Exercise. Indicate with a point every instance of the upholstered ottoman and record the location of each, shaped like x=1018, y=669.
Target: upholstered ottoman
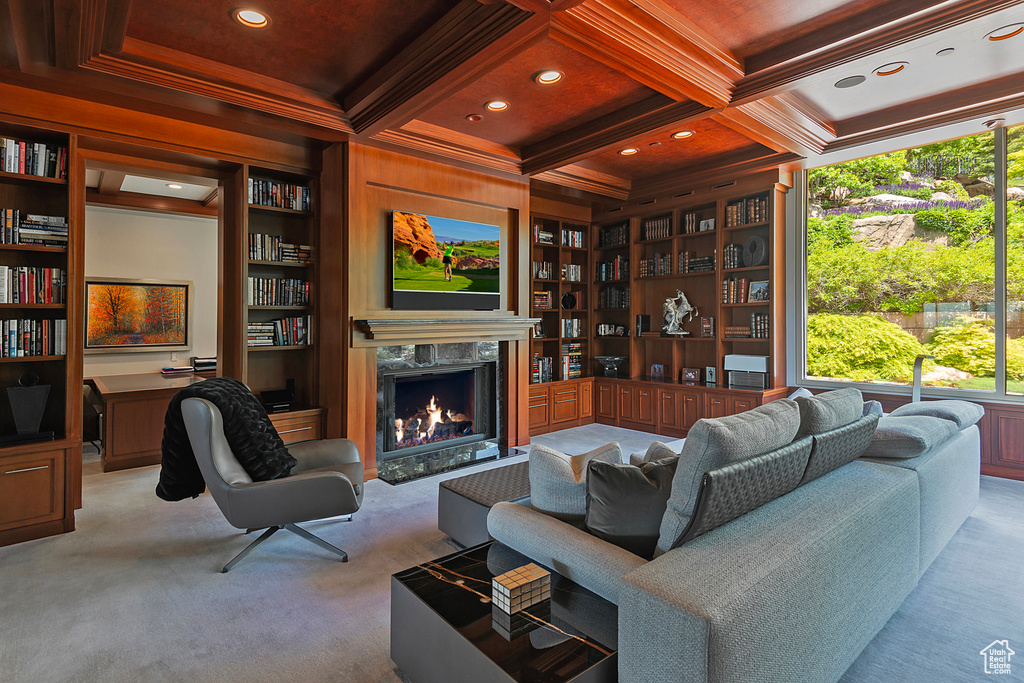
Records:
x=463, y=503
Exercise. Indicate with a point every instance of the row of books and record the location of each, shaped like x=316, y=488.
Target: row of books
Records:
x=744, y=211
x=659, y=264
x=611, y=330
x=281, y=195
x=572, y=327
x=266, y=291
x=734, y=290
x=657, y=228
x=542, y=236
x=613, y=297
x=732, y=255
x=32, y=285
x=273, y=248
x=758, y=328
x=33, y=228
x=614, y=235
x=689, y=262
x=23, y=338
x=572, y=272
x=540, y=369
x=572, y=238
x=543, y=270
x=614, y=269
x=208, y=364
x=543, y=300
x=177, y=370
x=33, y=158
x=294, y=331
x=572, y=360
x=693, y=222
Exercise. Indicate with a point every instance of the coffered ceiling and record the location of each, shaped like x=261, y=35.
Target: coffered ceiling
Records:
x=754, y=80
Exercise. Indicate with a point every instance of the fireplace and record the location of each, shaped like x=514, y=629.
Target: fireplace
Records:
x=433, y=408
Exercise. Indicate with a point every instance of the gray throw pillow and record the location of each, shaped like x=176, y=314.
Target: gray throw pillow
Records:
x=830, y=410
x=872, y=408
x=722, y=441
x=801, y=393
x=625, y=503
x=656, y=451
x=908, y=437
x=963, y=413
x=558, y=482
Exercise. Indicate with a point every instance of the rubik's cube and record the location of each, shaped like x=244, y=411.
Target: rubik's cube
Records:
x=518, y=589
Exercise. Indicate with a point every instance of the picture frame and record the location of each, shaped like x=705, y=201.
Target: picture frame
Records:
x=758, y=291
x=657, y=371
x=707, y=224
x=620, y=330
x=710, y=374
x=136, y=315
x=538, y=329
x=689, y=375
x=707, y=326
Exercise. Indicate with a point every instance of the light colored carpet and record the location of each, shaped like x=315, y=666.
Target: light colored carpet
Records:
x=135, y=594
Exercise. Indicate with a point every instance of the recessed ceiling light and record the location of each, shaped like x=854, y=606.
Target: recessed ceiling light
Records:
x=891, y=68
x=946, y=51
x=628, y=151
x=682, y=134
x=850, y=81
x=1005, y=32
x=174, y=186
x=548, y=77
x=654, y=144
x=473, y=117
x=251, y=18
x=497, y=105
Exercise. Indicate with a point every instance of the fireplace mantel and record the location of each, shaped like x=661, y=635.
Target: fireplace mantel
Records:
x=393, y=331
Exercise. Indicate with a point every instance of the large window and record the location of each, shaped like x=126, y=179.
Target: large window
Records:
x=907, y=255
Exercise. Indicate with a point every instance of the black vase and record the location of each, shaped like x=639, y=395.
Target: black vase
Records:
x=27, y=405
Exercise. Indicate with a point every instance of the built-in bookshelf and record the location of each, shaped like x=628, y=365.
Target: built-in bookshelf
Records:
x=40, y=332
x=560, y=297
x=281, y=292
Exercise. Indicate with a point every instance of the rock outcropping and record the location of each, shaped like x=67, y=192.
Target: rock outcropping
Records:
x=894, y=230
x=413, y=231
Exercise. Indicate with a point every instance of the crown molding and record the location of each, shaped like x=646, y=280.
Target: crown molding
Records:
x=724, y=167
x=427, y=137
x=780, y=123
x=587, y=180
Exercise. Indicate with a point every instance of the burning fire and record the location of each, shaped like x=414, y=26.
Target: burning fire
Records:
x=432, y=423
x=399, y=434
x=434, y=411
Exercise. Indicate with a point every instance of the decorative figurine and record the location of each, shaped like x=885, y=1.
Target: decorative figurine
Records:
x=677, y=310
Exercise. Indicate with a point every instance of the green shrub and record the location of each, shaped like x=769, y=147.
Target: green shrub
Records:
x=829, y=232
x=969, y=345
x=860, y=348
x=932, y=219
x=858, y=177
x=952, y=188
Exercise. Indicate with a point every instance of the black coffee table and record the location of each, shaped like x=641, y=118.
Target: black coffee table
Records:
x=443, y=629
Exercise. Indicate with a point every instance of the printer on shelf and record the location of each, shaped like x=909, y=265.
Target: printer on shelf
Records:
x=746, y=372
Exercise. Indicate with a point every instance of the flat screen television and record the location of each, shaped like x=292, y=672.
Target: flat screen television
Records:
x=444, y=263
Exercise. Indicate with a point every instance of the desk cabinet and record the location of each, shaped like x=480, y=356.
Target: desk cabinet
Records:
x=560, y=405
x=299, y=425
x=31, y=489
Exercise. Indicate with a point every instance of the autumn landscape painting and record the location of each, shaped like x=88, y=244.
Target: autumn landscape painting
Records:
x=127, y=315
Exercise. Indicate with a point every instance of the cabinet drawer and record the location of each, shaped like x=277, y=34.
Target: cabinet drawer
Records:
x=717, y=406
x=31, y=489
x=564, y=408
x=294, y=429
x=743, y=404
x=586, y=399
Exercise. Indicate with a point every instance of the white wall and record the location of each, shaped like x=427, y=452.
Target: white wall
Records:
x=153, y=246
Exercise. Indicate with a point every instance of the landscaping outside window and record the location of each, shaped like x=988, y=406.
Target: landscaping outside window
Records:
x=901, y=261
x=1015, y=260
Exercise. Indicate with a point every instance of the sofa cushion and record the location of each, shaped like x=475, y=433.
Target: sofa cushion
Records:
x=558, y=482
x=963, y=413
x=625, y=503
x=801, y=392
x=721, y=441
x=909, y=436
x=872, y=408
x=656, y=451
x=830, y=410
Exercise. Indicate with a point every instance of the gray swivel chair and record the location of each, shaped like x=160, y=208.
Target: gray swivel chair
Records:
x=326, y=482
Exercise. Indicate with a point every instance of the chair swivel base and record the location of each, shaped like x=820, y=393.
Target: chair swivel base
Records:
x=297, y=530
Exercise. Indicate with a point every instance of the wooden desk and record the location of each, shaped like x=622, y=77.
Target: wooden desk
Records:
x=133, y=416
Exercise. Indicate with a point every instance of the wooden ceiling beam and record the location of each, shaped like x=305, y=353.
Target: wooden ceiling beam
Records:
x=110, y=182
x=653, y=44
x=629, y=122
x=32, y=27
x=781, y=122
x=448, y=143
x=586, y=180
x=151, y=202
x=724, y=167
x=773, y=80
x=469, y=41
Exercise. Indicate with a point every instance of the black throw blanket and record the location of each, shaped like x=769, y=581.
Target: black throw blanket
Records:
x=249, y=432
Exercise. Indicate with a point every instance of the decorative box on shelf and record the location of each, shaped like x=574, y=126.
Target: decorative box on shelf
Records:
x=520, y=588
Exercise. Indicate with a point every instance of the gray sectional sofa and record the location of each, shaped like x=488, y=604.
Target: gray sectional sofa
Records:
x=790, y=591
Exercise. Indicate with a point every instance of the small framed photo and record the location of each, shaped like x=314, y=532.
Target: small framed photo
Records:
x=710, y=374
x=707, y=327
x=707, y=224
x=658, y=371
x=690, y=374
x=758, y=291
x=538, y=329
x=620, y=330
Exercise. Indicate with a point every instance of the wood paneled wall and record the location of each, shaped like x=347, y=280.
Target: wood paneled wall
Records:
x=362, y=185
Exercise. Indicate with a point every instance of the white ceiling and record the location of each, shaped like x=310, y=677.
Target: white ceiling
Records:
x=975, y=60
x=156, y=186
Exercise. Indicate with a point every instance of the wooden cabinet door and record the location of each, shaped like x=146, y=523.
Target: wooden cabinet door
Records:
x=625, y=399
x=539, y=407
x=564, y=405
x=644, y=405
x=1007, y=435
x=669, y=408
x=605, y=400
x=690, y=405
x=716, y=405
x=586, y=399
x=739, y=404
x=31, y=489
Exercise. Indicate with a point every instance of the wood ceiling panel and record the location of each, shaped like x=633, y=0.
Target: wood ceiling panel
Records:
x=749, y=27
x=710, y=140
x=322, y=45
x=588, y=90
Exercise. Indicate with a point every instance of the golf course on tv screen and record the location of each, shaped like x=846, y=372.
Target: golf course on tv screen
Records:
x=445, y=256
